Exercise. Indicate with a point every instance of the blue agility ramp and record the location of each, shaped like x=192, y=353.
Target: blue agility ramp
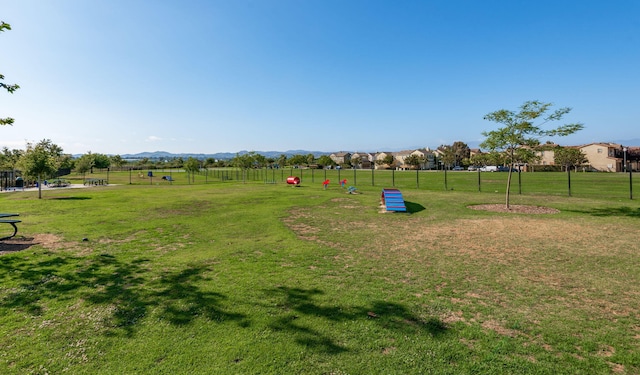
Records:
x=393, y=201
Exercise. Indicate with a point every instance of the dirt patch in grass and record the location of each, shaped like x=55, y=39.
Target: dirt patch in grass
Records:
x=49, y=241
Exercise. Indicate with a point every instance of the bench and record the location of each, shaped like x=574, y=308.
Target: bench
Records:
x=11, y=222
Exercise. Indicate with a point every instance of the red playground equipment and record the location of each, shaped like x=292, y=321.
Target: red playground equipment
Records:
x=295, y=181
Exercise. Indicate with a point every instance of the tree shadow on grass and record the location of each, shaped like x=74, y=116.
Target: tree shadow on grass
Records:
x=122, y=288
x=68, y=198
x=182, y=299
x=298, y=305
x=611, y=211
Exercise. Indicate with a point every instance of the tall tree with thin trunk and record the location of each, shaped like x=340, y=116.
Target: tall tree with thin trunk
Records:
x=10, y=88
x=523, y=129
x=40, y=161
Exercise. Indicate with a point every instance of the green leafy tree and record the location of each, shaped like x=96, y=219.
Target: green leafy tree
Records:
x=414, y=160
x=10, y=88
x=209, y=162
x=40, y=161
x=388, y=160
x=259, y=160
x=310, y=159
x=355, y=162
x=520, y=130
x=447, y=155
x=84, y=164
x=325, y=161
x=117, y=161
x=282, y=161
x=101, y=161
x=9, y=158
x=461, y=151
x=271, y=162
x=569, y=157
x=298, y=159
x=192, y=166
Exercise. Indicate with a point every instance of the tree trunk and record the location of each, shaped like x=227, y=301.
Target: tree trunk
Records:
x=508, y=188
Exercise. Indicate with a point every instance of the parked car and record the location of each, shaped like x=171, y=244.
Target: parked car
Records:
x=458, y=168
x=472, y=168
x=489, y=168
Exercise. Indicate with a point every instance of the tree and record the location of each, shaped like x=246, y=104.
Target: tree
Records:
x=448, y=155
x=118, y=161
x=192, y=166
x=259, y=160
x=10, y=88
x=244, y=161
x=519, y=131
x=325, y=161
x=84, y=164
x=209, y=162
x=387, y=160
x=101, y=161
x=569, y=157
x=9, y=158
x=310, y=159
x=282, y=161
x=414, y=161
x=40, y=160
x=461, y=151
x=356, y=161
x=298, y=159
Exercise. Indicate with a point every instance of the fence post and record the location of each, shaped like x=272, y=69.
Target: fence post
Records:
x=354, y=176
x=372, y=179
x=445, y=179
x=630, y=185
x=569, y=179
x=519, y=182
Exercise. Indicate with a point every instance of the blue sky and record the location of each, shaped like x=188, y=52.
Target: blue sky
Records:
x=126, y=76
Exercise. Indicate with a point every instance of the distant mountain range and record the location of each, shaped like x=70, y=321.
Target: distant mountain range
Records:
x=156, y=155
x=219, y=155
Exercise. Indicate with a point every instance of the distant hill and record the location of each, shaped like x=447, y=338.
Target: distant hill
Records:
x=220, y=155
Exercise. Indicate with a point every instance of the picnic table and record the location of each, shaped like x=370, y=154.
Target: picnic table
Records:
x=11, y=222
x=58, y=182
x=96, y=181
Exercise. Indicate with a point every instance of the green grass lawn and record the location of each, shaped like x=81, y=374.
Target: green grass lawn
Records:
x=225, y=277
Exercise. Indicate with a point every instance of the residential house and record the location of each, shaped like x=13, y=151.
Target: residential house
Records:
x=364, y=160
x=378, y=157
x=546, y=154
x=341, y=158
x=428, y=157
x=606, y=157
x=400, y=156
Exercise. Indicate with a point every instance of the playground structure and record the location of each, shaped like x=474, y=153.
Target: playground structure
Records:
x=392, y=200
x=294, y=181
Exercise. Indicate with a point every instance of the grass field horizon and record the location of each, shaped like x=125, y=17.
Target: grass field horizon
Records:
x=253, y=278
